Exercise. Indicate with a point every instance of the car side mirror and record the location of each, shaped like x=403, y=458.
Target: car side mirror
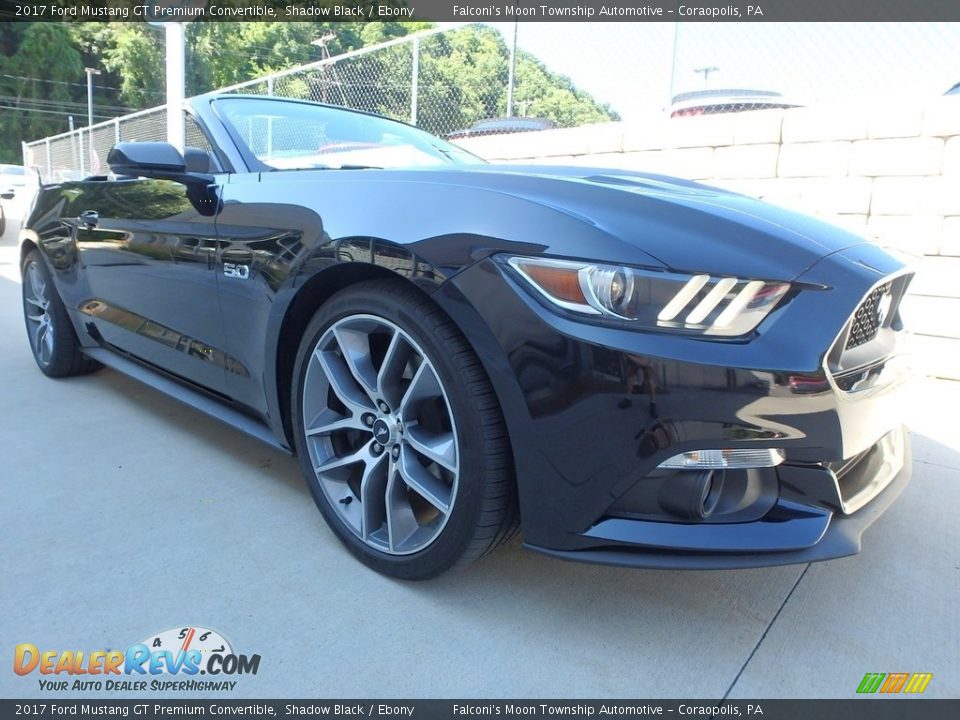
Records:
x=157, y=160
x=197, y=160
x=8, y=194
x=149, y=159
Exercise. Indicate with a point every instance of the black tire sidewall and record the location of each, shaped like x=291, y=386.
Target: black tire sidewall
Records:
x=34, y=257
x=456, y=535
x=66, y=358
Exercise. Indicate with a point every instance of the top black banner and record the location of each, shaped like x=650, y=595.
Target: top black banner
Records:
x=477, y=10
x=487, y=709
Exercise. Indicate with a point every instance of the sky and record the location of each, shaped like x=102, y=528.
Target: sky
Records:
x=630, y=65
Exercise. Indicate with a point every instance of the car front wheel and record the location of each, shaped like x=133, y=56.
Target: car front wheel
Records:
x=399, y=433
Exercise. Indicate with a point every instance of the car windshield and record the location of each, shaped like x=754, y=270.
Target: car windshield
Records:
x=295, y=136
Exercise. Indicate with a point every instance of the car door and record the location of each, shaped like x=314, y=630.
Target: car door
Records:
x=262, y=241
x=147, y=250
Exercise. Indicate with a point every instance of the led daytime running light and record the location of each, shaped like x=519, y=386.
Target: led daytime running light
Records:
x=724, y=459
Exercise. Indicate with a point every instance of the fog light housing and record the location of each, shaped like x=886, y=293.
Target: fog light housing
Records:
x=692, y=495
x=724, y=459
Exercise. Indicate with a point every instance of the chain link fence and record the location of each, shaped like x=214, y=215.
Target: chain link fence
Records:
x=74, y=155
x=449, y=80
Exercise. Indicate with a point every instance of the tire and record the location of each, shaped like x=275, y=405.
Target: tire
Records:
x=425, y=481
x=49, y=330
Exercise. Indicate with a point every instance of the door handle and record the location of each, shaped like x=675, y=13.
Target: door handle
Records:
x=90, y=218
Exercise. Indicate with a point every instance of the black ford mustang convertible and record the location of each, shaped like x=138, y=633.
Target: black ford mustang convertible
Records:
x=643, y=370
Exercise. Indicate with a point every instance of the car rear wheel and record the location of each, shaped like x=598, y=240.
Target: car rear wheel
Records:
x=399, y=434
x=52, y=338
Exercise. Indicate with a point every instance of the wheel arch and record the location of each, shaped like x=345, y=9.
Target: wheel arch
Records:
x=26, y=246
x=309, y=297
x=324, y=283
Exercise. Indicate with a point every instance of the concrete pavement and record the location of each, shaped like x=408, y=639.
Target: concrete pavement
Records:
x=125, y=513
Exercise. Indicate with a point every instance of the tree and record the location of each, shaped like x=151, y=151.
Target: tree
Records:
x=33, y=102
x=463, y=77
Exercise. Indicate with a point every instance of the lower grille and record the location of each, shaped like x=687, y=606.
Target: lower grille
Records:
x=867, y=319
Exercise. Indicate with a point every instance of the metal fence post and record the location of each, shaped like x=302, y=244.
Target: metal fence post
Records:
x=116, y=130
x=512, y=71
x=93, y=153
x=83, y=163
x=49, y=162
x=270, y=86
x=415, y=81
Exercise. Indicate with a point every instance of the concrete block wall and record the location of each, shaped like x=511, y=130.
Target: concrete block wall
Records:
x=890, y=173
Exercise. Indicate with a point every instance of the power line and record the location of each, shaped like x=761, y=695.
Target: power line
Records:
x=49, y=112
x=72, y=84
x=62, y=104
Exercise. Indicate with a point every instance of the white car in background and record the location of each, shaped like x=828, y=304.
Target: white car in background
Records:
x=18, y=186
x=19, y=176
x=5, y=194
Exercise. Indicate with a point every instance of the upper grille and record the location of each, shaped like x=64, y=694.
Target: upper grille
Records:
x=867, y=320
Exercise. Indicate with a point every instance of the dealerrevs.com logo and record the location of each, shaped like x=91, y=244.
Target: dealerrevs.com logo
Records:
x=169, y=660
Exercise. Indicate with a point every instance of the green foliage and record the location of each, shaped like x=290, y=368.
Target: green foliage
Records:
x=545, y=94
x=31, y=100
x=463, y=73
x=464, y=76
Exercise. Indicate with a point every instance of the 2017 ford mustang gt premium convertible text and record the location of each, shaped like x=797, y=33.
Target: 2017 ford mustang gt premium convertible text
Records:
x=643, y=370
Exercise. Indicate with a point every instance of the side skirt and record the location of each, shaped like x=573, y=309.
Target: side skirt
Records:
x=188, y=396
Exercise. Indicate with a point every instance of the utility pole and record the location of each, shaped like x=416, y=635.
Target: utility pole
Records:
x=706, y=73
x=513, y=70
x=321, y=42
x=90, y=73
x=175, y=83
x=673, y=62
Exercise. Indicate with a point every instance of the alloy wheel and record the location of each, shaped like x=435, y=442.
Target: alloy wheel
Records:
x=380, y=434
x=36, y=297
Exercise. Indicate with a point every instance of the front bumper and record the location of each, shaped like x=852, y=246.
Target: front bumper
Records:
x=592, y=411
x=840, y=536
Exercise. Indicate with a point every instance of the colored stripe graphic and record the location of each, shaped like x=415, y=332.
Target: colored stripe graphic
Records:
x=918, y=682
x=871, y=682
x=892, y=683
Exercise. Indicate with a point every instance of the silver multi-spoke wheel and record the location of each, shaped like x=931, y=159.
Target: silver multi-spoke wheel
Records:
x=380, y=434
x=398, y=432
x=36, y=295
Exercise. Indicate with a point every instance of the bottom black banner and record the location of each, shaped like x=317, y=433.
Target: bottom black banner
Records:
x=868, y=709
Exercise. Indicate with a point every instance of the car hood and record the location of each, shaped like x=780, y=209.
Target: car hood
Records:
x=684, y=225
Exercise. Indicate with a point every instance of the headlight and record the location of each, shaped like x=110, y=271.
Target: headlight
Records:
x=721, y=306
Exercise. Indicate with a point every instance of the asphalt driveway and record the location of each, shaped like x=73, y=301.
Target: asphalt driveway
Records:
x=125, y=513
